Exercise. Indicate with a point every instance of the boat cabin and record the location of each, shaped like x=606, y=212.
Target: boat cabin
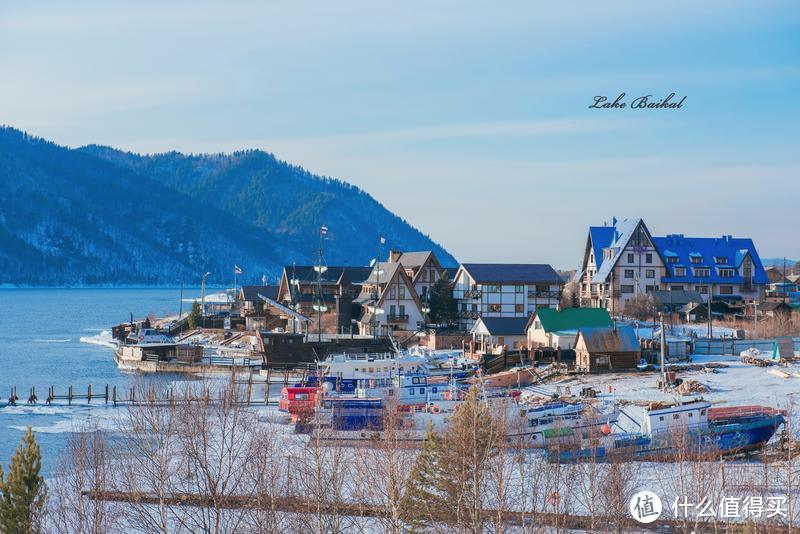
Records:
x=657, y=417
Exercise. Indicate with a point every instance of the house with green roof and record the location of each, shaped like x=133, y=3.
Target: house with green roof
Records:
x=558, y=329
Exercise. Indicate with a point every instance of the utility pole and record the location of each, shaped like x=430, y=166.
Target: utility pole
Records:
x=710, y=298
x=203, y=293
x=320, y=268
x=755, y=319
x=663, y=348
x=180, y=306
x=294, y=288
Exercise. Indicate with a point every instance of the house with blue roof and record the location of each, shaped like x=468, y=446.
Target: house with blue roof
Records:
x=620, y=261
x=623, y=259
x=504, y=290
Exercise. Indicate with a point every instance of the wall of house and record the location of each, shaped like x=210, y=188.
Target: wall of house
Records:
x=502, y=300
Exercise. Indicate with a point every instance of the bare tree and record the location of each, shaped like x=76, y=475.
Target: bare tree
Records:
x=84, y=467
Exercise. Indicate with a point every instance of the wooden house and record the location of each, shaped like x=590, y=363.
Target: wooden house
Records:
x=607, y=349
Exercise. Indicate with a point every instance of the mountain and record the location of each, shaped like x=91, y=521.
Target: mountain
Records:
x=99, y=216
x=778, y=262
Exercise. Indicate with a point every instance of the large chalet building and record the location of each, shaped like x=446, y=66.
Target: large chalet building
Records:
x=504, y=290
x=624, y=259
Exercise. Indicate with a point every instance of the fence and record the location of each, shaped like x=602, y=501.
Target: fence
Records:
x=735, y=346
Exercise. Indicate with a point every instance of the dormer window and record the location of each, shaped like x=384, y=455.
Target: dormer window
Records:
x=702, y=272
x=680, y=271
x=672, y=259
x=696, y=258
x=726, y=273
x=720, y=260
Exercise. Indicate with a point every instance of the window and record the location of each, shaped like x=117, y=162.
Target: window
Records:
x=494, y=308
x=519, y=289
x=648, y=258
x=401, y=292
x=392, y=310
x=661, y=418
x=675, y=416
x=703, y=290
x=726, y=273
x=649, y=289
x=702, y=272
x=630, y=257
x=680, y=271
x=519, y=308
x=415, y=380
x=691, y=414
x=402, y=309
x=392, y=293
x=422, y=391
x=726, y=290
x=628, y=273
x=720, y=260
x=650, y=273
x=672, y=259
x=626, y=289
x=676, y=288
x=696, y=258
x=493, y=289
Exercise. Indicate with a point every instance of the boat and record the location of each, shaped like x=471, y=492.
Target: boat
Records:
x=665, y=431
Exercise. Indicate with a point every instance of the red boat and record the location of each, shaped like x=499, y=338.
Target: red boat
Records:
x=298, y=402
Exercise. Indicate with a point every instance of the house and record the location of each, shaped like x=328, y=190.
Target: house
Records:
x=667, y=300
x=723, y=268
x=423, y=268
x=504, y=290
x=620, y=261
x=623, y=260
x=694, y=312
x=494, y=335
x=390, y=291
x=607, y=349
x=558, y=329
x=257, y=312
x=326, y=298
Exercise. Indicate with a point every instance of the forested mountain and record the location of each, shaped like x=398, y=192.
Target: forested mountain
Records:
x=95, y=215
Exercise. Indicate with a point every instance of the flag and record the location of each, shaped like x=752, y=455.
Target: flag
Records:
x=383, y=240
x=237, y=269
x=323, y=230
x=264, y=280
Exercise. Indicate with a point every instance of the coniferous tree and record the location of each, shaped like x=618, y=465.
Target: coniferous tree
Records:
x=22, y=492
x=442, y=303
x=195, y=316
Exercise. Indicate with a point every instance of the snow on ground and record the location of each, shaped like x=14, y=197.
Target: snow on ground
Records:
x=737, y=384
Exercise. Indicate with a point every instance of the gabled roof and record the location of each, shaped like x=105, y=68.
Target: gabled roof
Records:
x=387, y=272
x=503, y=326
x=332, y=275
x=508, y=273
x=677, y=297
x=620, y=234
x=412, y=260
x=733, y=249
x=609, y=340
x=250, y=293
x=571, y=318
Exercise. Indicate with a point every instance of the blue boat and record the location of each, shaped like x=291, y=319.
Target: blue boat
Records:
x=665, y=431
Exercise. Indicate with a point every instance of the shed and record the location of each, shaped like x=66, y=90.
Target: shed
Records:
x=492, y=334
x=607, y=349
x=558, y=328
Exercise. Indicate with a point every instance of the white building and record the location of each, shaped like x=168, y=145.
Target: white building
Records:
x=624, y=260
x=423, y=268
x=504, y=290
x=398, y=306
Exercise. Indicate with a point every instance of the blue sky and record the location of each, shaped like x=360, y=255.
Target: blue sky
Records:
x=470, y=120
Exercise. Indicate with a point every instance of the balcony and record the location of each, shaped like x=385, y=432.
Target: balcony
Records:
x=473, y=293
x=467, y=314
x=397, y=318
x=543, y=294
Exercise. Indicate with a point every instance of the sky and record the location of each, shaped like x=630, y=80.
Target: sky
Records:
x=471, y=120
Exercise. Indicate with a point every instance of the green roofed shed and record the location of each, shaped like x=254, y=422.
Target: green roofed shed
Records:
x=571, y=319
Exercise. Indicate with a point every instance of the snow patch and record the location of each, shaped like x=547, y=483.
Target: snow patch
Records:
x=102, y=339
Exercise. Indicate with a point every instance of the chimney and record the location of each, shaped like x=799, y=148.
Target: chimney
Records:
x=394, y=255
